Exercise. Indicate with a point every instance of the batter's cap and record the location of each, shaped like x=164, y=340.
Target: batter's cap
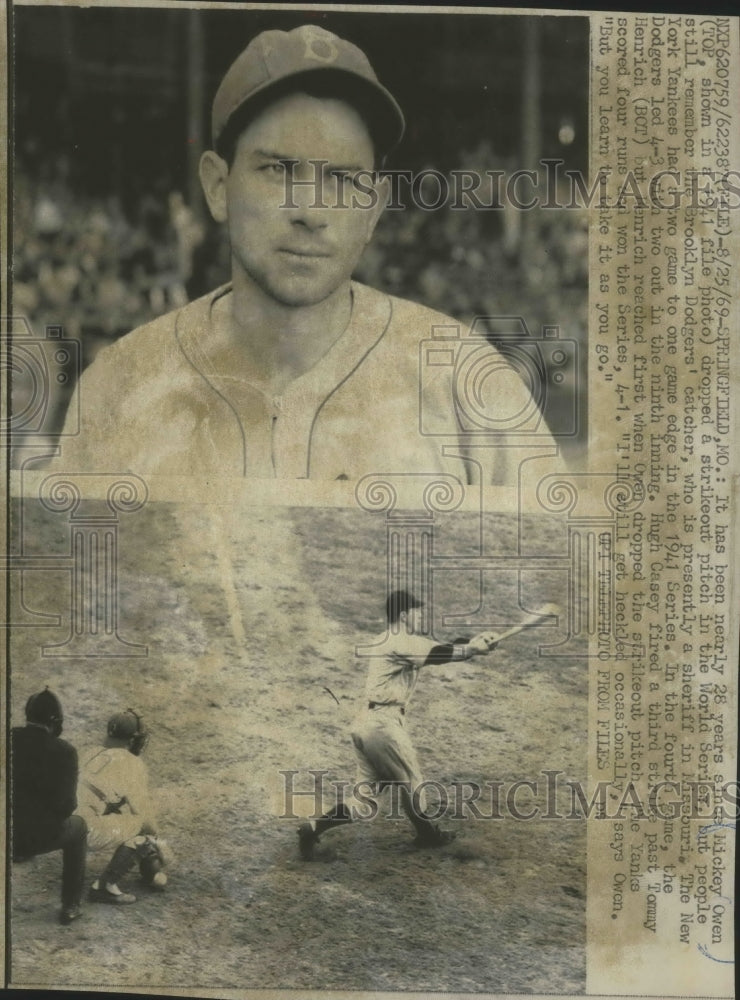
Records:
x=44, y=708
x=400, y=601
x=279, y=61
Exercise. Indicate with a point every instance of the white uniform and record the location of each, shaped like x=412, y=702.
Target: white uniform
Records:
x=384, y=749
x=161, y=402
x=115, y=777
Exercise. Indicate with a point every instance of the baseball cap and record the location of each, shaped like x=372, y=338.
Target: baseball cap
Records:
x=44, y=708
x=129, y=728
x=124, y=725
x=277, y=62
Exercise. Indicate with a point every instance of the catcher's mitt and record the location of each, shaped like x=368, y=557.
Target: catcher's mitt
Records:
x=151, y=863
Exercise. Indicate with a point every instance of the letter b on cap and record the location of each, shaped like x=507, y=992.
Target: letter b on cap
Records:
x=319, y=45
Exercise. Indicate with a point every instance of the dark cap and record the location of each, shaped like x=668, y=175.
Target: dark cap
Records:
x=123, y=725
x=45, y=709
x=278, y=61
x=128, y=727
x=400, y=601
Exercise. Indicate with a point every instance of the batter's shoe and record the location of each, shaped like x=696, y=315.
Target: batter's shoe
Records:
x=101, y=894
x=69, y=914
x=434, y=838
x=307, y=839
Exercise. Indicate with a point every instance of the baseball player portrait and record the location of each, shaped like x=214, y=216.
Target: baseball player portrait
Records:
x=293, y=369
x=385, y=753
x=43, y=784
x=116, y=803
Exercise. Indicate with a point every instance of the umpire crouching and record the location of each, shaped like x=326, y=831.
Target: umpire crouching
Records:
x=44, y=773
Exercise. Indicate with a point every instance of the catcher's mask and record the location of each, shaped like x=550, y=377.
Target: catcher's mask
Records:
x=128, y=726
x=45, y=709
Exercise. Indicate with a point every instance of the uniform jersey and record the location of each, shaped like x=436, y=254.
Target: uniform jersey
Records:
x=385, y=753
x=114, y=797
x=383, y=399
x=392, y=674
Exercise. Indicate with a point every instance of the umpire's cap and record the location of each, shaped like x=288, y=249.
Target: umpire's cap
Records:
x=45, y=709
x=278, y=62
x=400, y=601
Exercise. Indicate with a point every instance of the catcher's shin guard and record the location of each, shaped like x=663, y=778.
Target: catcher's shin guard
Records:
x=119, y=865
x=151, y=863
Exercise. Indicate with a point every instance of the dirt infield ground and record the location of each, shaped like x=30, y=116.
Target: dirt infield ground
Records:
x=249, y=616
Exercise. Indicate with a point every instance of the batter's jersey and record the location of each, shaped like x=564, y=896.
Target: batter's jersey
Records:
x=393, y=672
x=388, y=396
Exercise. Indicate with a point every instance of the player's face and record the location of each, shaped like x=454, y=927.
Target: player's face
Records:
x=299, y=242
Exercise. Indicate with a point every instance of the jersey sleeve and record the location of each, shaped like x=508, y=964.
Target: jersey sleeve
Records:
x=446, y=653
x=416, y=648
x=503, y=427
x=89, y=431
x=491, y=400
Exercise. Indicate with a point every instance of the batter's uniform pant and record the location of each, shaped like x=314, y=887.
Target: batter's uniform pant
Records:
x=386, y=756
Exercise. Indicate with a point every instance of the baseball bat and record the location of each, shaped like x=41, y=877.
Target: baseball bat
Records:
x=546, y=611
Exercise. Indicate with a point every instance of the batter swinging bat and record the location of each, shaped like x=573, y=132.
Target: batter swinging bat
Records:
x=546, y=611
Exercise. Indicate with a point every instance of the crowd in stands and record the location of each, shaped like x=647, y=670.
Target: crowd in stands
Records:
x=96, y=269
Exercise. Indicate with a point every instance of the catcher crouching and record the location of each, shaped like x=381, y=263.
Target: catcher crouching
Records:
x=116, y=804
